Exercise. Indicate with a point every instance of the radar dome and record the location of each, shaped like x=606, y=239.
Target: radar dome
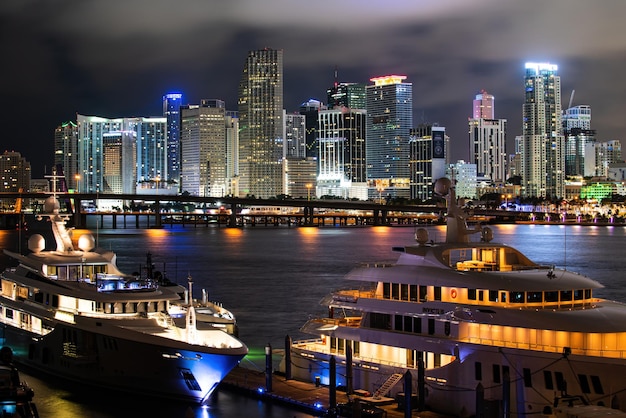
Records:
x=421, y=236
x=442, y=186
x=487, y=234
x=36, y=243
x=86, y=242
x=51, y=204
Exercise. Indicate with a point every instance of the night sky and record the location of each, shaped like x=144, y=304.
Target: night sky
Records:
x=117, y=58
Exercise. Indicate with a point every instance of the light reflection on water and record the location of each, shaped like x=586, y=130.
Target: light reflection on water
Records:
x=273, y=279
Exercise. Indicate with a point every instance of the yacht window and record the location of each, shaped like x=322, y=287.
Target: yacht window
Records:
x=9, y=313
x=478, y=371
x=566, y=295
x=356, y=348
x=431, y=326
x=471, y=294
x=408, y=324
x=493, y=295
x=552, y=296
x=597, y=385
x=398, y=323
x=437, y=292
x=547, y=378
x=413, y=293
x=386, y=290
x=404, y=291
x=503, y=297
x=496, y=373
x=533, y=297
x=584, y=383
x=417, y=325
x=395, y=291
x=560, y=382
x=423, y=293
x=587, y=293
x=527, y=378
x=480, y=295
x=517, y=297
x=578, y=294
x=446, y=328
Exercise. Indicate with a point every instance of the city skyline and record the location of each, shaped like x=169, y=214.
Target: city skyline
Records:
x=65, y=59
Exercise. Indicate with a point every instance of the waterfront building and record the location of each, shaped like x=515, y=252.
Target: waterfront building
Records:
x=171, y=111
x=260, y=101
x=465, y=179
x=65, y=152
x=232, y=152
x=294, y=134
x=342, y=153
x=151, y=151
x=389, y=105
x=203, y=139
x=427, y=159
x=300, y=177
x=310, y=109
x=600, y=155
x=119, y=162
x=578, y=143
x=487, y=138
x=542, y=147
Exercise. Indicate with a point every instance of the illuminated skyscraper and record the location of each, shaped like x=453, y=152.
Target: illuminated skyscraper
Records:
x=261, y=124
x=389, y=103
x=487, y=139
x=543, y=146
x=65, y=152
x=171, y=110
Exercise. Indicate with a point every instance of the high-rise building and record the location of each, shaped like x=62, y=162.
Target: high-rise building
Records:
x=14, y=172
x=600, y=155
x=484, y=106
x=487, y=138
x=350, y=95
x=119, y=162
x=65, y=152
x=577, y=117
x=260, y=102
x=427, y=159
x=578, y=134
x=310, y=109
x=294, y=135
x=389, y=105
x=152, y=150
x=342, y=154
x=203, y=140
x=171, y=110
x=543, y=149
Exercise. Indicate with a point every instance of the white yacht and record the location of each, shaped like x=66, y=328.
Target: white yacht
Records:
x=69, y=312
x=475, y=323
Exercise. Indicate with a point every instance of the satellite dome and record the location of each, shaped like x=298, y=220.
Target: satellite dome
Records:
x=86, y=242
x=442, y=186
x=51, y=204
x=36, y=243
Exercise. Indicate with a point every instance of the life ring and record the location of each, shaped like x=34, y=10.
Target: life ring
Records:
x=453, y=293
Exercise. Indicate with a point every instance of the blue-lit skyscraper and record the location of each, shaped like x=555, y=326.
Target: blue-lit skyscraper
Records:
x=171, y=110
x=389, y=104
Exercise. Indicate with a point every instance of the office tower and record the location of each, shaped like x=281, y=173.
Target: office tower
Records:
x=389, y=104
x=260, y=124
x=465, y=179
x=171, y=111
x=484, y=106
x=310, y=110
x=203, y=140
x=15, y=173
x=300, y=177
x=487, y=138
x=294, y=135
x=599, y=156
x=543, y=148
x=427, y=159
x=65, y=151
x=351, y=95
x=342, y=153
x=577, y=117
x=152, y=150
x=578, y=134
x=232, y=152
x=119, y=162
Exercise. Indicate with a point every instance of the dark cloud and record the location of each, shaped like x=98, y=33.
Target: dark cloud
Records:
x=117, y=58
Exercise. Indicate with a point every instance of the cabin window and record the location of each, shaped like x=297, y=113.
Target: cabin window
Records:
x=386, y=290
x=395, y=291
x=431, y=326
x=503, y=297
x=547, y=378
x=437, y=293
x=9, y=313
x=397, y=326
x=506, y=373
x=496, y=373
x=408, y=324
x=423, y=293
x=560, y=382
x=478, y=371
x=534, y=297
x=480, y=296
x=404, y=291
x=356, y=348
x=471, y=294
x=380, y=321
x=38, y=297
x=341, y=345
x=55, y=301
x=413, y=293
x=417, y=325
x=584, y=383
x=527, y=378
x=587, y=293
x=517, y=297
x=552, y=296
x=578, y=294
x=597, y=385
x=446, y=328
x=566, y=295
x=493, y=295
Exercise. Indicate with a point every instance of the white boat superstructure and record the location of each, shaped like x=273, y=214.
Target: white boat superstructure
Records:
x=71, y=313
x=470, y=315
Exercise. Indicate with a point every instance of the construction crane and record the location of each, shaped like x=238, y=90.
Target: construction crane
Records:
x=571, y=99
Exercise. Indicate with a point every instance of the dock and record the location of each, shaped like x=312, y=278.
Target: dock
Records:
x=307, y=397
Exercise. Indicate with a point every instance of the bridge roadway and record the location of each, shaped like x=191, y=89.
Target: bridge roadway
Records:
x=309, y=213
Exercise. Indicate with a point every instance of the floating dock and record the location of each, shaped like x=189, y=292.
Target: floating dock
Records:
x=308, y=397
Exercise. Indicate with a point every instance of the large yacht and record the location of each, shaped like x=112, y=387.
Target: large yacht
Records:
x=69, y=312
x=475, y=323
